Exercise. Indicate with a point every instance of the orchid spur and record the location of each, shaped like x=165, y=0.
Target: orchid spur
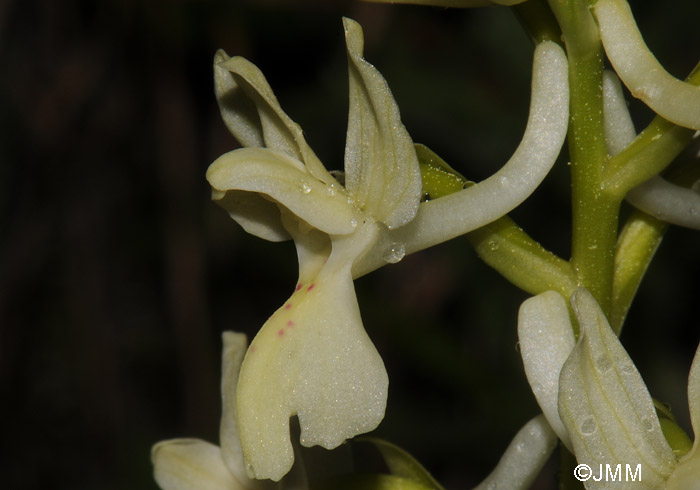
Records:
x=312, y=358
x=595, y=399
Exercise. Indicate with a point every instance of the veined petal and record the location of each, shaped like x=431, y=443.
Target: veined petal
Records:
x=312, y=358
x=546, y=339
x=526, y=455
x=671, y=98
x=447, y=217
x=191, y=464
x=252, y=113
x=284, y=180
x=605, y=405
x=381, y=167
x=687, y=474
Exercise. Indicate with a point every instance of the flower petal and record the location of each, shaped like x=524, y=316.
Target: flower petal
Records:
x=284, y=180
x=546, y=339
x=191, y=464
x=668, y=202
x=381, y=167
x=442, y=219
x=671, y=98
x=252, y=113
x=312, y=358
x=605, y=405
x=526, y=455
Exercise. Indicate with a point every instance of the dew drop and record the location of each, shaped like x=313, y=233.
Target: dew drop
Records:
x=305, y=188
x=493, y=245
x=603, y=363
x=504, y=181
x=626, y=368
x=588, y=426
x=647, y=424
x=520, y=447
x=353, y=223
x=395, y=253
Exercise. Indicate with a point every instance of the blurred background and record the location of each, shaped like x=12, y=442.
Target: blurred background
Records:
x=118, y=275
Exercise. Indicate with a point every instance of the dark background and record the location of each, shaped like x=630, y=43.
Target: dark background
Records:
x=117, y=274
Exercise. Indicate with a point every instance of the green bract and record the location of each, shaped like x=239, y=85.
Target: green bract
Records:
x=312, y=358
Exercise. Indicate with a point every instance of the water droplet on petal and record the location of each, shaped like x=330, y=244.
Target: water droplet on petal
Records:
x=353, y=223
x=603, y=363
x=493, y=245
x=395, y=253
x=504, y=181
x=305, y=187
x=647, y=424
x=588, y=426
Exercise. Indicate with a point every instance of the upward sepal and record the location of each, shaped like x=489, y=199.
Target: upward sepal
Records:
x=381, y=166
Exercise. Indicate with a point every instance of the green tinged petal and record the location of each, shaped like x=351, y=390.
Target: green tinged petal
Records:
x=316, y=361
x=381, y=167
x=191, y=464
x=546, y=339
x=234, y=176
x=605, y=405
x=252, y=113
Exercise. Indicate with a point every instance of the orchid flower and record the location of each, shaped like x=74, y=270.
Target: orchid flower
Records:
x=313, y=358
x=595, y=399
x=657, y=196
x=193, y=464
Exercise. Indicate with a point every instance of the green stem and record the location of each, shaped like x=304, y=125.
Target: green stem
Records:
x=538, y=21
x=595, y=212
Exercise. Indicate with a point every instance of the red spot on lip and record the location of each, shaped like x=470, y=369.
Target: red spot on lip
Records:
x=299, y=286
x=280, y=332
x=290, y=323
x=287, y=306
x=311, y=287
